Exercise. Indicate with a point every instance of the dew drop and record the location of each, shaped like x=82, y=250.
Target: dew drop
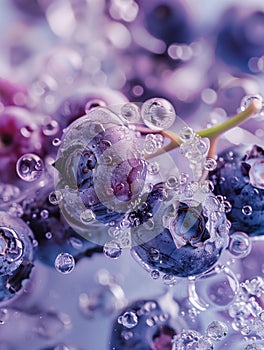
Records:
x=130, y=112
x=55, y=197
x=158, y=113
x=217, y=330
x=112, y=250
x=87, y=216
x=50, y=128
x=64, y=263
x=128, y=319
x=239, y=244
x=247, y=210
x=210, y=164
x=29, y=167
x=155, y=274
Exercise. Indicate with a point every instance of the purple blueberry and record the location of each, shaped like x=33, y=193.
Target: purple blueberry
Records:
x=240, y=36
x=239, y=177
x=53, y=234
x=185, y=247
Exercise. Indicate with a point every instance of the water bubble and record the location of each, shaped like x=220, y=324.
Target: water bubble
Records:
x=64, y=263
x=154, y=254
x=239, y=244
x=210, y=164
x=48, y=235
x=247, y=100
x=128, y=319
x=172, y=182
x=112, y=249
x=158, y=113
x=169, y=279
x=217, y=330
x=87, y=216
x=11, y=247
x=44, y=214
x=247, y=210
x=186, y=134
x=29, y=167
x=150, y=146
x=254, y=286
x=254, y=346
x=56, y=142
x=155, y=274
x=127, y=335
x=55, y=197
x=204, y=343
x=153, y=168
x=51, y=128
x=130, y=112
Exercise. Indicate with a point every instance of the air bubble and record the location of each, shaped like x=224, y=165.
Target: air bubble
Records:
x=128, y=319
x=55, y=197
x=112, y=250
x=153, y=168
x=29, y=167
x=172, y=182
x=64, y=263
x=239, y=244
x=154, y=254
x=87, y=216
x=130, y=112
x=50, y=128
x=186, y=134
x=210, y=164
x=217, y=330
x=155, y=274
x=44, y=214
x=247, y=210
x=158, y=114
x=56, y=142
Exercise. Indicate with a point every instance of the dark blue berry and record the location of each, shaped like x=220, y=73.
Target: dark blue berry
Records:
x=239, y=177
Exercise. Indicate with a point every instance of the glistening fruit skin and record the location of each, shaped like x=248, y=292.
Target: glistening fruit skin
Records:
x=144, y=337
x=186, y=247
x=239, y=177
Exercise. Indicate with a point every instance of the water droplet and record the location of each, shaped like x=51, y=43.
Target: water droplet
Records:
x=56, y=142
x=153, y=168
x=29, y=167
x=127, y=335
x=210, y=164
x=150, y=146
x=87, y=216
x=112, y=250
x=51, y=128
x=55, y=197
x=239, y=244
x=217, y=330
x=130, y=112
x=44, y=214
x=169, y=279
x=186, y=134
x=128, y=319
x=154, y=254
x=247, y=210
x=155, y=274
x=64, y=263
x=48, y=235
x=247, y=100
x=172, y=182
x=158, y=114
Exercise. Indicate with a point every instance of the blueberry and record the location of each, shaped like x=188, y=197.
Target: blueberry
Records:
x=17, y=255
x=239, y=177
x=240, y=37
x=184, y=246
x=53, y=234
x=168, y=21
x=103, y=163
x=137, y=332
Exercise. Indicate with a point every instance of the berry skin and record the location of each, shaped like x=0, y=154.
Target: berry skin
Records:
x=239, y=177
x=103, y=164
x=185, y=247
x=52, y=232
x=142, y=336
x=240, y=37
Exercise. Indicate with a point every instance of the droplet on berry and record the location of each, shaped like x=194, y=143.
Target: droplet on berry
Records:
x=247, y=100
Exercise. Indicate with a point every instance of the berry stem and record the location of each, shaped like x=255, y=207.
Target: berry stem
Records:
x=215, y=131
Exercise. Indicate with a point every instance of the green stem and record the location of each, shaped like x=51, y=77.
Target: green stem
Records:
x=215, y=131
